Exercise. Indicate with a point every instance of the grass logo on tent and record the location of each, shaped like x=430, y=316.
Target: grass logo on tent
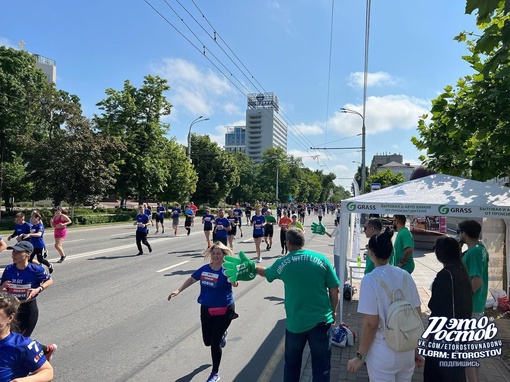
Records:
x=443, y=210
x=351, y=206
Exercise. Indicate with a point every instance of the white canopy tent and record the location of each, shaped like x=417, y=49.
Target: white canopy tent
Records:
x=434, y=195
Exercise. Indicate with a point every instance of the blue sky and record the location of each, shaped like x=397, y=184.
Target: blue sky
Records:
x=284, y=45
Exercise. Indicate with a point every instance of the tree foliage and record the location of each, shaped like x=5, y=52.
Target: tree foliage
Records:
x=386, y=178
x=133, y=115
x=468, y=131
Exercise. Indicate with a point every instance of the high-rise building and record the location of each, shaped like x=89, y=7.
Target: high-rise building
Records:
x=48, y=66
x=264, y=127
x=235, y=139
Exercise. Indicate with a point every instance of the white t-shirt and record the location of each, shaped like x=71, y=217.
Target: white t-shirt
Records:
x=373, y=299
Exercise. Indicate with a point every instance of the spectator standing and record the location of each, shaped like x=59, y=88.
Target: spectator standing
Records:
x=476, y=260
x=404, y=245
x=451, y=298
x=373, y=305
x=311, y=299
x=372, y=227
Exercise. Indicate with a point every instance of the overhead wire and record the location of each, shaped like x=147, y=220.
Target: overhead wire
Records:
x=299, y=139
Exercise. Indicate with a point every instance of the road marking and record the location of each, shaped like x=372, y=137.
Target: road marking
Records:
x=271, y=366
x=67, y=241
x=106, y=250
x=173, y=266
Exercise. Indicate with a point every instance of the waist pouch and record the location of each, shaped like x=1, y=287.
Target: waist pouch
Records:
x=219, y=311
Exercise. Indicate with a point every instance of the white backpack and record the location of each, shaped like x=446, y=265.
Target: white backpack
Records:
x=404, y=326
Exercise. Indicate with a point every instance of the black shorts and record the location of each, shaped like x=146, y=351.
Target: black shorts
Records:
x=159, y=220
x=222, y=240
x=256, y=236
x=233, y=231
x=268, y=231
x=207, y=228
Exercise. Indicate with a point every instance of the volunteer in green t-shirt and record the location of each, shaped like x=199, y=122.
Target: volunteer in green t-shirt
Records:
x=372, y=227
x=403, y=247
x=311, y=299
x=476, y=260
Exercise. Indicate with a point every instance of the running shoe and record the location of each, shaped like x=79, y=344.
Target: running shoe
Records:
x=156, y=232
x=62, y=258
x=214, y=377
x=50, y=269
x=150, y=249
x=223, y=342
x=241, y=234
x=163, y=231
x=50, y=351
x=139, y=254
x=259, y=260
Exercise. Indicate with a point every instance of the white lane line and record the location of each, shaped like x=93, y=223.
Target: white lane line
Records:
x=107, y=250
x=67, y=241
x=173, y=266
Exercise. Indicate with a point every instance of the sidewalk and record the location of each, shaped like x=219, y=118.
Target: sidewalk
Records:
x=491, y=369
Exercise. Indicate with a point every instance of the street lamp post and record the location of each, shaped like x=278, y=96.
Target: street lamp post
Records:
x=363, y=147
x=196, y=120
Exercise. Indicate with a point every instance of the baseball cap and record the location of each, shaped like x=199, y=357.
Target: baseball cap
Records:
x=24, y=246
x=294, y=216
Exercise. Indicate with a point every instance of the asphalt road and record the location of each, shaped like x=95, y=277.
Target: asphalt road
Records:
x=108, y=311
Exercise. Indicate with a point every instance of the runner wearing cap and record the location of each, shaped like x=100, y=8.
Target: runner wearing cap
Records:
x=26, y=281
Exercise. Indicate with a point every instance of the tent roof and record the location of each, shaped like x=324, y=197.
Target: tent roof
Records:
x=436, y=194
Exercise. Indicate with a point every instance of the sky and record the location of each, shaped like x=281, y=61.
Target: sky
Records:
x=309, y=53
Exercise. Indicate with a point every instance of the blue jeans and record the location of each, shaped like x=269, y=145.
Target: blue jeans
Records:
x=319, y=340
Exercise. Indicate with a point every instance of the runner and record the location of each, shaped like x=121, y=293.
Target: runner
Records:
x=222, y=227
x=284, y=226
x=147, y=210
x=239, y=213
x=207, y=221
x=257, y=221
x=26, y=281
x=194, y=209
x=247, y=212
x=141, y=223
x=216, y=299
x=233, y=219
x=176, y=213
x=59, y=222
x=190, y=214
x=296, y=224
x=36, y=239
x=19, y=356
x=160, y=217
x=268, y=229
x=21, y=227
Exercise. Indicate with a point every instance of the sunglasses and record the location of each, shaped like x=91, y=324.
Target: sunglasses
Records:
x=459, y=231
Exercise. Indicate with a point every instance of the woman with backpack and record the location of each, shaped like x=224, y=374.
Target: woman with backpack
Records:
x=375, y=347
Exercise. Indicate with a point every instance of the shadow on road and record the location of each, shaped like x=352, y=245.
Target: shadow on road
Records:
x=265, y=361
x=181, y=273
x=189, y=377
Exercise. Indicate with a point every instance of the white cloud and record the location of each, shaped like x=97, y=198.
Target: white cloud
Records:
x=387, y=113
x=356, y=79
x=195, y=89
x=304, y=129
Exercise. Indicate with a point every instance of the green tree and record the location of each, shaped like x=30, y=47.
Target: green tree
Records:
x=247, y=170
x=22, y=86
x=386, y=178
x=357, y=178
x=181, y=178
x=468, y=130
x=310, y=186
x=216, y=169
x=133, y=115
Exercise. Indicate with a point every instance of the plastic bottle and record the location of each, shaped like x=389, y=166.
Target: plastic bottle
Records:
x=359, y=260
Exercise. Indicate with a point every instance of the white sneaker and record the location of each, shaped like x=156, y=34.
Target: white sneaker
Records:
x=259, y=260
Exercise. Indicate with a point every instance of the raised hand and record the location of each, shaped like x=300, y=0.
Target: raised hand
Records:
x=239, y=268
x=318, y=229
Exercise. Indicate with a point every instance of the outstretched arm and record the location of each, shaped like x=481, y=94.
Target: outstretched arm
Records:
x=190, y=281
